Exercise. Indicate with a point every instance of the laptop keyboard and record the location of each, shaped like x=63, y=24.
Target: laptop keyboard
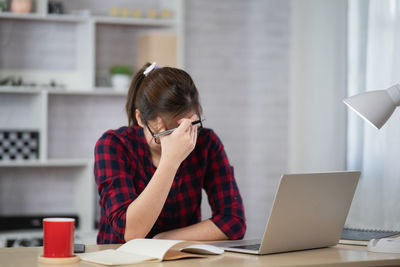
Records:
x=249, y=247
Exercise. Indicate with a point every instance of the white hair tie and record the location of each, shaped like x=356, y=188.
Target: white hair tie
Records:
x=149, y=68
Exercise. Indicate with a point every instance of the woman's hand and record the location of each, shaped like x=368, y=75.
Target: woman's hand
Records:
x=176, y=146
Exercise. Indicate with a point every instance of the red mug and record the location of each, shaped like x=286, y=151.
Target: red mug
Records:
x=58, y=239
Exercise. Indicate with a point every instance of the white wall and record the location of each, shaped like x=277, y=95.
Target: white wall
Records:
x=272, y=76
x=318, y=85
x=238, y=54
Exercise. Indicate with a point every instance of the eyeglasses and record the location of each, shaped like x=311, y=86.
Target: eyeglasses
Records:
x=166, y=132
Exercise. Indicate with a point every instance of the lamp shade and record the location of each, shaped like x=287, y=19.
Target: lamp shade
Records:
x=375, y=107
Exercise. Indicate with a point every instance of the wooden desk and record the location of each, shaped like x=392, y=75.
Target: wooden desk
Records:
x=341, y=255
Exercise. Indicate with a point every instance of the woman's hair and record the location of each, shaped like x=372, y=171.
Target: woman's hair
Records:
x=163, y=92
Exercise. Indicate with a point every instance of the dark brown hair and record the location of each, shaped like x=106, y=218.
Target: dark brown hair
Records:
x=163, y=92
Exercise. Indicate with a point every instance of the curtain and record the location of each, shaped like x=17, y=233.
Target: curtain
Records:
x=374, y=64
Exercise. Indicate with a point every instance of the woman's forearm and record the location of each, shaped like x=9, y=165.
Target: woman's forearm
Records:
x=143, y=212
x=205, y=230
x=145, y=209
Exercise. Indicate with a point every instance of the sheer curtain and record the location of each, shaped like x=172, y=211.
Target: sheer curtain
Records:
x=374, y=63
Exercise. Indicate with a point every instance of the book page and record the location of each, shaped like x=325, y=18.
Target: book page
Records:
x=175, y=252
x=114, y=257
x=152, y=248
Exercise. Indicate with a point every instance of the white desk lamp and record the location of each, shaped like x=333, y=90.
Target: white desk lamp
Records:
x=376, y=107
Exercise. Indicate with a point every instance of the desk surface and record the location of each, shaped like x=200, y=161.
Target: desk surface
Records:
x=341, y=255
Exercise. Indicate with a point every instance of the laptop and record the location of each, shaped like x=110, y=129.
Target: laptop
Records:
x=309, y=211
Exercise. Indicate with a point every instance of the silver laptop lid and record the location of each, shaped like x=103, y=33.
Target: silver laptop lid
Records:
x=309, y=211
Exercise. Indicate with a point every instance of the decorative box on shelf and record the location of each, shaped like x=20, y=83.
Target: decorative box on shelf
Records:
x=19, y=145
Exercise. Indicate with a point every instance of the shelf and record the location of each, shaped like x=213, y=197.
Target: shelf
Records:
x=37, y=90
x=48, y=163
x=97, y=91
x=134, y=21
x=23, y=233
x=84, y=237
x=19, y=90
x=52, y=18
x=96, y=19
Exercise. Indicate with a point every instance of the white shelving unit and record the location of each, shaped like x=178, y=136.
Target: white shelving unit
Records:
x=48, y=163
x=79, y=51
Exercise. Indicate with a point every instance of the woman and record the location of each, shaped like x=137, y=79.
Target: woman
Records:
x=151, y=186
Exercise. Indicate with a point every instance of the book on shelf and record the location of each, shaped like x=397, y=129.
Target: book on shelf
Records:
x=361, y=237
x=150, y=250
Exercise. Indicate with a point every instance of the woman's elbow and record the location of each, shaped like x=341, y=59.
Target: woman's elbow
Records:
x=129, y=235
x=239, y=229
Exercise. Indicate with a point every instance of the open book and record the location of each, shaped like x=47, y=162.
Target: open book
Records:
x=141, y=250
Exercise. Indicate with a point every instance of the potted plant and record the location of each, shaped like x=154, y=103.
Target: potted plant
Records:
x=121, y=77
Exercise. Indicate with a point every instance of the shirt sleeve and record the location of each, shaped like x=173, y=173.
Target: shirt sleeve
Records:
x=112, y=170
x=223, y=193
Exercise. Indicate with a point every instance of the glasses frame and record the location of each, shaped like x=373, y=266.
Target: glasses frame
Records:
x=166, y=132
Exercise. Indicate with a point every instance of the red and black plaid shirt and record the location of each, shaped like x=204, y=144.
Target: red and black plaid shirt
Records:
x=123, y=167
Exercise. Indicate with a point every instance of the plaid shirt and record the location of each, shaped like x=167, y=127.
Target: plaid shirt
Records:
x=123, y=167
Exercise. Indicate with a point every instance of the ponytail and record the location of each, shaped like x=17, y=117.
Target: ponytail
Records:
x=130, y=106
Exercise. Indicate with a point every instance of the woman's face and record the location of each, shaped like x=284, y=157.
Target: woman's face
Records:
x=157, y=125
